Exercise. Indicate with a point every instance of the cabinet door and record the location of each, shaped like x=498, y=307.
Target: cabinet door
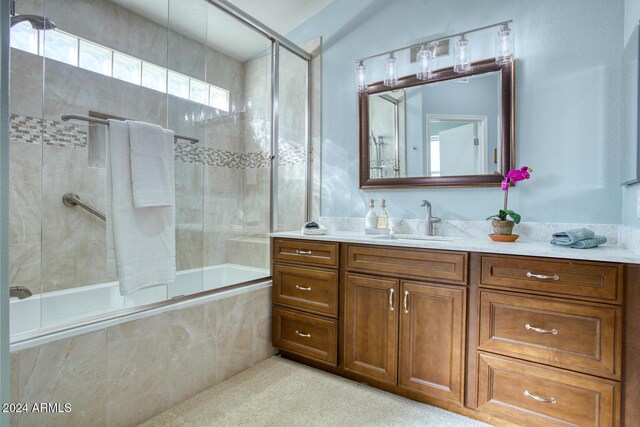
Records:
x=432, y=326
x=371, y=327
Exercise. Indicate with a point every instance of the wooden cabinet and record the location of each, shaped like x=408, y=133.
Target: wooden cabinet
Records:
x=305, y=300
x=371, y=327
x=549, y=340
x=534, y=395
x=583, y=337
x=405, y=333
x=432, y=340
x=311, y=336
x=504, y=339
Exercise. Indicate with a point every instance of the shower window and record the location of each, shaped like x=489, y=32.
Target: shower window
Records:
x=24, y=37
x=95, y=58
x=154, y=77
x=199, y=92
x=126, y=68
x=219, y=98
x=178, y=85
x=61, y=47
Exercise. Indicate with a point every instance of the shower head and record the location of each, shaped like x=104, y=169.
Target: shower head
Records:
x=37, y=22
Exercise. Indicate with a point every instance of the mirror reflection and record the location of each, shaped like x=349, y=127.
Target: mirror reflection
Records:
x=448, y=128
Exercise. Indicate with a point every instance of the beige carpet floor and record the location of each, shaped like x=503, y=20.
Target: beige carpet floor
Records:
x=278, y=392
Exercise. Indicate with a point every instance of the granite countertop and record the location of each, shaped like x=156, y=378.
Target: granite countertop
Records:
x=607, y=252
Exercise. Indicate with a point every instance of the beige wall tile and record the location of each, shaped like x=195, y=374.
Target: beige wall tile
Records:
x=24, y=266
x=234, y=322
x=262, y=348
x=24, y=192
x=138, y=369
x=67, y=371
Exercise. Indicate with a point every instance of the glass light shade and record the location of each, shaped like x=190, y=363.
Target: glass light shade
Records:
x=505, y=46
x=462, y=53
x=361, y=77
x=424, y=60
x=391, y=71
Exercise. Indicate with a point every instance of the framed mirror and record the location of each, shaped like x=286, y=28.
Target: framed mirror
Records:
x=452, y=130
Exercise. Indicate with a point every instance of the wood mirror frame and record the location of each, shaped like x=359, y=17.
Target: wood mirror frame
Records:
x=507, y=130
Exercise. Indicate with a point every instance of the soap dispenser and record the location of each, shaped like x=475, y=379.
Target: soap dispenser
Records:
x=383, y=218
x=371, y=220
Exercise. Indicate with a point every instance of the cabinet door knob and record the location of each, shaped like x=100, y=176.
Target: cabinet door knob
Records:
x=391, y=291
x=404, y=302
x=303, y=288
x=302, y=334
x=540, y=330
x=301, y=252
x=542, y=276
x=540, y=399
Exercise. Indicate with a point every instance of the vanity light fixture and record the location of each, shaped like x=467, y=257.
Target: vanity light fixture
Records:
x=504, y=45
x=462, y=54
x=427, y=51
x=361, y=77
x=391, y=71
x=424, y=59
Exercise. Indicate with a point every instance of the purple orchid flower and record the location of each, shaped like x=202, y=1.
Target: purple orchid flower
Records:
x=512, y=176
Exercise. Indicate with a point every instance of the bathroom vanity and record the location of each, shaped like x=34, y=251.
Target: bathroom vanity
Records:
x=524, y=334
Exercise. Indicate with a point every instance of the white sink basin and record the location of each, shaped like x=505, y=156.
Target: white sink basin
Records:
x=439, y=239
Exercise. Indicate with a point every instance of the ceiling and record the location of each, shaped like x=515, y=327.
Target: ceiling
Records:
x=206, y=24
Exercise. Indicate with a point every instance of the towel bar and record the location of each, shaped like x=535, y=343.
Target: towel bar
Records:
x=72, y=199
x=68, y=117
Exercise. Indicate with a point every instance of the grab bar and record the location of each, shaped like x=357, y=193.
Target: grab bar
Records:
x=68, y=117
x=72, y=199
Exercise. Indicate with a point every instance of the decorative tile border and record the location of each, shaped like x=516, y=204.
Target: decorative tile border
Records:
x=228, y=159
x=32, y=130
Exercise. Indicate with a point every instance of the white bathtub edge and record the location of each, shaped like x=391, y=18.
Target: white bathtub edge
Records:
x=103, y=324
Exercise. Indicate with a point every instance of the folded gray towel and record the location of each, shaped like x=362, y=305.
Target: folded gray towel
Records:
x=570, y=237
x=590, y=243
x=583, y=244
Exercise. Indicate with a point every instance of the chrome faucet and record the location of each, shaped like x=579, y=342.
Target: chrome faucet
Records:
x=430, y=220
x=19, y=292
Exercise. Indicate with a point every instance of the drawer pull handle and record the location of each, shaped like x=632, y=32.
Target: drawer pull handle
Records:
x=302, y=288
x=404, y=302
x=542, y=276
x=302, y=334
x=540, y=399
x=540, y=330
x=301, y=252
x=391, y=291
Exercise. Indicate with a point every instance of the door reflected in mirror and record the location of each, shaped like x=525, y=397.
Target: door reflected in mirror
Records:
x=452, y=130
x=452, y=126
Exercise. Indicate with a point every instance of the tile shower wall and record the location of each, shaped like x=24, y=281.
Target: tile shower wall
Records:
x=125, y=374
x=222, y=183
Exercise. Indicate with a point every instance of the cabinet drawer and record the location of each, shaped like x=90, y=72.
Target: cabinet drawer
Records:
x=307, y=335
x=593, y=281
x=306, y=252
x=579, y=337
x=306, y=288
x=442, y=266
x=537, y=396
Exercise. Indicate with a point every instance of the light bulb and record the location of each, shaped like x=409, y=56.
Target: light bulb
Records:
x=504, y=45
x=361, y=77
x=391, y=71
x=424, y=60
x=462, y=55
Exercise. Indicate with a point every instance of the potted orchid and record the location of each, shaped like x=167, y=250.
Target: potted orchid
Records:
x=501, y=225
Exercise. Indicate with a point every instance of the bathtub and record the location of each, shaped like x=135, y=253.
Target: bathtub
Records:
x=42, y=318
